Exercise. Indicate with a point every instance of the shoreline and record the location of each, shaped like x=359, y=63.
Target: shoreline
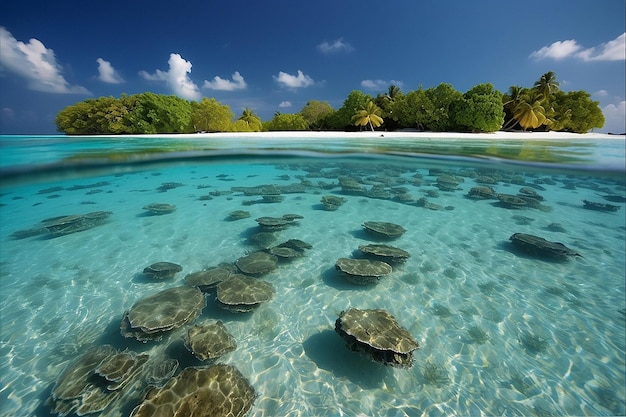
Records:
x=500, y=135
x=277, y=135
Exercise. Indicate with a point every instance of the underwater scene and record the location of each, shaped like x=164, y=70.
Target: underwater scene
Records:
x=312, y=277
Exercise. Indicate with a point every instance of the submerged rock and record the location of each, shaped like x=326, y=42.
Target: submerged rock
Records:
x=150, y=317
x=208, y=279
x=332, y=202
x=362, y=271
x=277, y=223
x=423, y=202
x=209, y=341
x=351, y=186
x=293, y=248
x=257, y=263
x=482, y=193
x=511, y=201
x=537, y=246
x=590, y=205
x=104, y=376
x=385, y=253
x=64, y=225
x=241, y=294
x=217, y=391
x=159, y=208
x=238, y=215
x=162, y=270
x=284, y=252
x=377, y=334
x=530, y=192
x=447, y=182
x=384, y=229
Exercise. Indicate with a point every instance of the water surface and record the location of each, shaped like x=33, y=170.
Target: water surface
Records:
x=500, y=332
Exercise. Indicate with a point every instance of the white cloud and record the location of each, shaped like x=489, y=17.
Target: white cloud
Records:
x=615, y=118
x=176, y=78
x=294, y=81
x=108, y=74
x=337, y=46
x=284, y=104
x=379, y=84
x=558, y=50
x=614, y=50
x=218, y=83
x=7, y=113
x=36, y=63
x=601, y=93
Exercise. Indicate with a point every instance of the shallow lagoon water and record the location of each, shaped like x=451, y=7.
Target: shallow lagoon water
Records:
x=500, y=332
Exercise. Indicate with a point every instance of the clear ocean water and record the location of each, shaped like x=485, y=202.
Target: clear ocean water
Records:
x=500, y=332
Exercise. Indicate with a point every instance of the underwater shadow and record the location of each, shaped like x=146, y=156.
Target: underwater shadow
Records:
x=43, y=409
x=247, y=233
x=213, y=311
x=507, y=246
x=329, y=352
x=362, y=234
x=141, y=278
x=332, y=278
x=151, y=214
x=177, y=350
x=112, y=336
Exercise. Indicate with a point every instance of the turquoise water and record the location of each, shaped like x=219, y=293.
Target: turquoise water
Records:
x=500, y=332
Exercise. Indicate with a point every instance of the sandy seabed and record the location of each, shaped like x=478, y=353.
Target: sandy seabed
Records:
x=500, y=333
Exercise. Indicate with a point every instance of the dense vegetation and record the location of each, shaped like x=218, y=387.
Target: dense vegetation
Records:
x=542, y=107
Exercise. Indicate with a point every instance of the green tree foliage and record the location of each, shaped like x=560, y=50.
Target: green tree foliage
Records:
x=342, y=118
x=546, y=86
x=315, y=112
x=286, y=121
x=141, y=113
x=530, y=112
x=545, y=107
x=94, y=116
x=74, y=119
x=510, y=101
x=156, y=113
x=248, y=122
x=442, y=97
x=584, y=113
x=386, y=102
x=211, y=116
x=370, y=115
x=480, y=109
x=412, y=110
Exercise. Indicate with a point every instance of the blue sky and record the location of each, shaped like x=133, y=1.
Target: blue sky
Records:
x=278, y=54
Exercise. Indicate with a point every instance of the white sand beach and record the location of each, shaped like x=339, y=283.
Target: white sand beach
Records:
x=404, y=134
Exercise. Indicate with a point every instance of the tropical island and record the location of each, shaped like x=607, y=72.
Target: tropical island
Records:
x=482, y=109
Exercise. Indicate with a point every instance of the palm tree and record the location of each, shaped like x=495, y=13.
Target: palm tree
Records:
x=546, y=86
x=558, y=120
x=510, y=101
x=371, y=114
x=252, y=120
x=530, y=112
x=392, y=93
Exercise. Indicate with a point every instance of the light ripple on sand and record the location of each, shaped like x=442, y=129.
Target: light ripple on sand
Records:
x=459, y=263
